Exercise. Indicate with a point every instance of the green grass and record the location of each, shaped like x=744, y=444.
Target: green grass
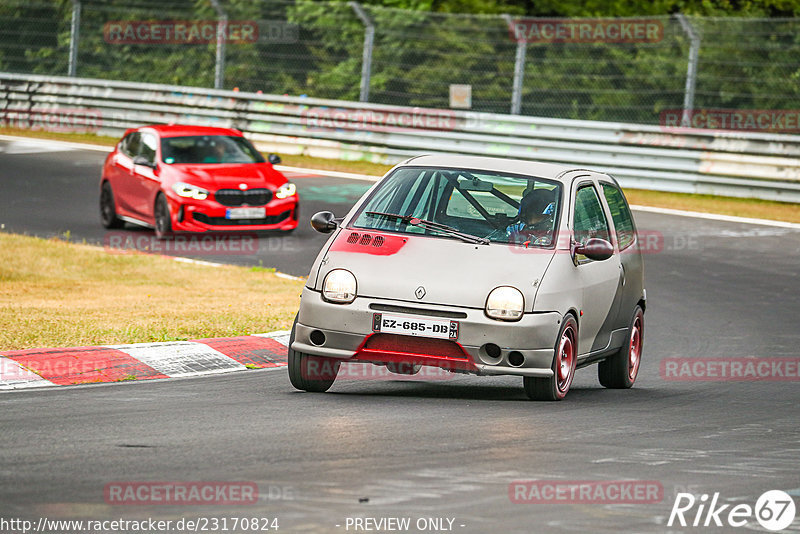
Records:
x=59, y=294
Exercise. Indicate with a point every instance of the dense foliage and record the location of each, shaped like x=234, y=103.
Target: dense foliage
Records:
x=749, y=59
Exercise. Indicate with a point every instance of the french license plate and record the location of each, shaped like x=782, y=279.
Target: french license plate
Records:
x=414, y=326
x=245, y=213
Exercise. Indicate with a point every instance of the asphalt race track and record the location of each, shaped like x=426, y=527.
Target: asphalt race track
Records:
x=447, y=449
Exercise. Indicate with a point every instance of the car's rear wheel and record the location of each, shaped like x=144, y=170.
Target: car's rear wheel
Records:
x=162, y=216
x=310, y=373
x=620, y=370
x=108, y=211
x=565, y=360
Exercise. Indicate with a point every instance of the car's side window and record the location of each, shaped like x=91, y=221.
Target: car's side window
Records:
x=131, y=147
x=148, y=148
x=589, y=220
x=621, y=214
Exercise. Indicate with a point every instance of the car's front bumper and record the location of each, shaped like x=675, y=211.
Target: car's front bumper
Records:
x=347, y=330
x=207, y=215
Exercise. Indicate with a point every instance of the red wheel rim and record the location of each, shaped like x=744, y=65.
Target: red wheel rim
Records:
x=635, y=352
x=565, y=363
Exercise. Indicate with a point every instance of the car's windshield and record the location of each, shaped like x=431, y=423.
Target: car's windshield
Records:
x=208, y=149
x=505, y=208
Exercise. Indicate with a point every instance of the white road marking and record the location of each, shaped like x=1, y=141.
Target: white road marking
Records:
x=55, y=146
x=332, y=174
x=35, y=147
x=281, y=336
x=15, y=376
x=716, y=217
x=197, y=262
x=181, y=358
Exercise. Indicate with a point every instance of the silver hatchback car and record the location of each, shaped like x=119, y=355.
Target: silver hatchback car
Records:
x=477, y=265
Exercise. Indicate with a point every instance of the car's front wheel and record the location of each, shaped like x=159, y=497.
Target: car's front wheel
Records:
x=108, y=211
x=162, y=217
x=620, y=370
x=565, y=361
x=310, y=373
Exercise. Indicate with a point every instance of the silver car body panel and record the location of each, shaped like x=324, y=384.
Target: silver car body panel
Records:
x=457, y=277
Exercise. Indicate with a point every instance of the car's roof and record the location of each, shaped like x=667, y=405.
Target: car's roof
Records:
x=178, y=130
x=516, y=166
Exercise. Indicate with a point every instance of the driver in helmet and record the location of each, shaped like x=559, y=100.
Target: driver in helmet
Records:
x=535, y=220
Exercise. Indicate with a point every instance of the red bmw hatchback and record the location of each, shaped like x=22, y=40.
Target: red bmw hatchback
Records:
x=178, y=178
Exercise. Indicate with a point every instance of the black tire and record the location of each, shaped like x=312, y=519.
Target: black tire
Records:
x=565, y=359
x=108, y=212
x=310, y=373
x=163, y=219
x=619, y=371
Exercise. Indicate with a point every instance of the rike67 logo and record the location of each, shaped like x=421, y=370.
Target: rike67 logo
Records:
x=774, y=510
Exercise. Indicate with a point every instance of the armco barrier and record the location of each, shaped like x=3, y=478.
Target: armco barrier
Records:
x=732, y=163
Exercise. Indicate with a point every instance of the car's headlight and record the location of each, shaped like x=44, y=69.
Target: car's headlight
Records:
x=505, y=303
x=189, y=191
x=286, y=190
x=339, y=286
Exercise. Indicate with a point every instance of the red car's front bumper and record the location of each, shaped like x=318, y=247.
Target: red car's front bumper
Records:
x=207, y=215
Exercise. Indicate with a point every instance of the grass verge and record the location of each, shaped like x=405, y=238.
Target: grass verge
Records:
x=59, y=294
x=740, y=207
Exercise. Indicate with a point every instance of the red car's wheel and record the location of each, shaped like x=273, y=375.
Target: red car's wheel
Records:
x=108, y=211
x=163, y=218
x=620, y=370
x=565, y=361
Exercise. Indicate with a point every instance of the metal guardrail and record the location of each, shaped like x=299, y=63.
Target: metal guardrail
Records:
x=742, y=164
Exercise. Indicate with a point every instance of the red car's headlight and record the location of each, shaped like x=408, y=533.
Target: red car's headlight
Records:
x=286, y=190
x=185, y=190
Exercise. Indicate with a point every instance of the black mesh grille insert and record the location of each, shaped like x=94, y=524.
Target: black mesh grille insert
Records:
x=249, y=197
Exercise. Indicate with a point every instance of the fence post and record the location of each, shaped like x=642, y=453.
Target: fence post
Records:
x=691, y=70
x=519, y=70
x=222, y=31
x=74, y=38
x=366, y=57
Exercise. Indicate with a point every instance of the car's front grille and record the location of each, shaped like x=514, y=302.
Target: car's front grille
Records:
x=421, y=346
x=248, y=197
x=222, y=221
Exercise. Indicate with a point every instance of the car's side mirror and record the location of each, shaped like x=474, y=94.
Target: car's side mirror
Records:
x=595, y=249
x=141, y=160
x=274, y=159
x=324, y=222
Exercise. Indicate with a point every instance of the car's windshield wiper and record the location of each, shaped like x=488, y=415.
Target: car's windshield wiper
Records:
x=423, y=223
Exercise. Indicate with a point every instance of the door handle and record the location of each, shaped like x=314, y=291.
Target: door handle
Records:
x=622, y=273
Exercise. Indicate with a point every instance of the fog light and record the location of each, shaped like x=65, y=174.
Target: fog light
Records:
x=317, y=337
x=516, y=359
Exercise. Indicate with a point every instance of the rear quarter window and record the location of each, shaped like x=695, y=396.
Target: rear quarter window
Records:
x=621, y=214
